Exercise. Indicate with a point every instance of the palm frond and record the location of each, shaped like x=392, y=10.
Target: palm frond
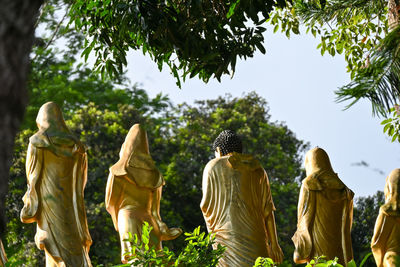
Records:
x=322, y=11
x=380, y=80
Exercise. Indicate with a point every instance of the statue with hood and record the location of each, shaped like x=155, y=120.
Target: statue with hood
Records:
x=56, y=169
x=237, y=204
x=133, y=193
x=325, y=213
x=385, y=242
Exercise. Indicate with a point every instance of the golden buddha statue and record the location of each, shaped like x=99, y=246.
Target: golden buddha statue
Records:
x=237, y=205
x=325, y=213
x=385, y=243
x=133, y=193
x=3, y=256
x=56, y=169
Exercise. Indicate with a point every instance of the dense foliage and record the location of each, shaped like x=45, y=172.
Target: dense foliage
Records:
x=100, y=112
x=198, y=251
x=180, y=141
x=202, y=38
x=356, y=29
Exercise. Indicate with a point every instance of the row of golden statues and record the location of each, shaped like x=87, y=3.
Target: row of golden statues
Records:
x=237, y=204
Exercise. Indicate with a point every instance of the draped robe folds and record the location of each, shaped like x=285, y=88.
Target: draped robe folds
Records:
x=3, y=256
x=325, y=213
x=57, y=175
x=133, y=194
x=386, y=240
x=236, y=202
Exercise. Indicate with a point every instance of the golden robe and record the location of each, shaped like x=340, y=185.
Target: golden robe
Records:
x=325, y=213
x=236, y=202
x=130, y=204
x=324, y=221
x=133, y=193
x=3, y=256
x=56, y=169
x=385, y=242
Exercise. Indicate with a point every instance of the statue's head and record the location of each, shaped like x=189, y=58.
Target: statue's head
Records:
x=50, y=118
x=392, y=186
x=317, y=160
x=227, y=142
x=135, y=141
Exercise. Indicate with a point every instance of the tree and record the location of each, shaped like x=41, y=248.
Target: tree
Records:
x=367, y=33
x=366, y=211
x=17, y=21
x=190, y=134
x=180, y=140
x=201, y=38
x=173, y=21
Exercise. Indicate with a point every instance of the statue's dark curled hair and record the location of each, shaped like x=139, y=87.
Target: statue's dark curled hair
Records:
x=228, y=142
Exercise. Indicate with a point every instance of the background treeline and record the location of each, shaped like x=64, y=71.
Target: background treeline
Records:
x=100, y=112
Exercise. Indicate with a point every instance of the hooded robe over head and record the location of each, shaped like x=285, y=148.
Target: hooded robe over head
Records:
x=131, y=192
x=385, y=242
x=56, y=169
x=325, y=213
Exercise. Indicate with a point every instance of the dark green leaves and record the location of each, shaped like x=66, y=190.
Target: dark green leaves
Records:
x=379, y=80
x=195, y=38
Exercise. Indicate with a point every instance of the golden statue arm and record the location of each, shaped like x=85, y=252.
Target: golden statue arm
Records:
x=166, y=233
x=380, y=221
x=277, y=254
x=276, y=251
x=34, y=162
x=113, y=194
x=80, y=175
x=302, y=238
x=301, y=206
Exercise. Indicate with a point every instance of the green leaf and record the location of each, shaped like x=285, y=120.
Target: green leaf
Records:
x=232, y=8
x=351, y=263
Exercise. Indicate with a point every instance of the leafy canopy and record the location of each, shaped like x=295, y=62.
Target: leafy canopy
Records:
x=354, y=28
x=192, y=38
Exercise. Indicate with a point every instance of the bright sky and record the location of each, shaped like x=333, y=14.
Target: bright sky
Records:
x=299, y=85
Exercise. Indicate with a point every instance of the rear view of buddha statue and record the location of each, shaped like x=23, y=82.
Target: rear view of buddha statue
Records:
x=325, y=213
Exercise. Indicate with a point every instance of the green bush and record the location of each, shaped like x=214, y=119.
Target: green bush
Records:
x=198, y=251
x=316, y=262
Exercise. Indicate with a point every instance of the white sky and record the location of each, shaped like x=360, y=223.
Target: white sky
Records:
x=298, y=84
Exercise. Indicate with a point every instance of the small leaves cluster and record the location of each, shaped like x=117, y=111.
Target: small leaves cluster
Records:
x=392, y=124
x=346, y=27
x=320, y=261
x=197, y=253
x=193, y=38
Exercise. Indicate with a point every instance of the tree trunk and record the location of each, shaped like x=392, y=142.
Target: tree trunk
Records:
x=17, y=23
x=393, y=13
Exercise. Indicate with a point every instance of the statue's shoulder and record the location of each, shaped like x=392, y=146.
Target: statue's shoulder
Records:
x=39, y=140
x=248, y=162
x=216, y=162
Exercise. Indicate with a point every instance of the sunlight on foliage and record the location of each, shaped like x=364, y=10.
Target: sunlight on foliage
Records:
x=198, y=251
x=392, y=124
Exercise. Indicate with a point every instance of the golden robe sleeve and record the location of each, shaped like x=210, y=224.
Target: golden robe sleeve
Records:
x=268, y=204
x=381, y=234
x=207, y=199
x=80, y=179
x=302, y=238
x=112, y=201
x=34, y=162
